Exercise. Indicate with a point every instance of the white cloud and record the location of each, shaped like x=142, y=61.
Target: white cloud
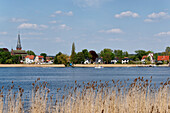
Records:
x=163, y=34
x=163, y=15
x=18, y=20
x=89, y=3
x=58, y=12
x=70, y=13
x=32, y=33
x=32, y=26
x=112, y=31
x=58, y=39
x=3, y=33
x=64, y=26
x=53, y=22
x=157, y=16
x=127, y=14
x=148, y=20
x=115, y=39
x=53, y=15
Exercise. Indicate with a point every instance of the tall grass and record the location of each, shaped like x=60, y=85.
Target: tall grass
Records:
x=141, y=96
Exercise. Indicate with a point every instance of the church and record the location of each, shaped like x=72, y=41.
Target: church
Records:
x=19, y=50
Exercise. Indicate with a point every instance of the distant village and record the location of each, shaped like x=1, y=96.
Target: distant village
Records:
x=106, y=56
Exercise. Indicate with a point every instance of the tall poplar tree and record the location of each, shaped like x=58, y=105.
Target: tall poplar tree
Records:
x=73, y=54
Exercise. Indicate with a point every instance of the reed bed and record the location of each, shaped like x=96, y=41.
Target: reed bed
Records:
x=141, y=96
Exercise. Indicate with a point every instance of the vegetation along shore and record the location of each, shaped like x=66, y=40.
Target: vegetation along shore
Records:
x=140, y=96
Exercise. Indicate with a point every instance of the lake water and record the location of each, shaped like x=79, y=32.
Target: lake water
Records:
x=58, y=77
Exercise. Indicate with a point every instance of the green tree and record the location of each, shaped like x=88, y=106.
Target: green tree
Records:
x=4, y=56
x=16, y=59
x=55, y=58
x=44, y=55
x=29, y=52
x=80, y=57
x=167, y=51
x=73, y=54
x=9, y=61
x=86, y=54
x=125, y=54
x=62, y=59
x=118, y=53
x=140, y=53
x=107, y=55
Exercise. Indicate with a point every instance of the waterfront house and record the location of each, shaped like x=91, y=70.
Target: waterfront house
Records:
x=126, y=60
x=114, y=61
x=162, y=59
x=99, y=60
x=87, y=61
x=39, y=59
x=29, y=59
x=150, y=56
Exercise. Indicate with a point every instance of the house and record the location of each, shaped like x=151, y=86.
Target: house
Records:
x=49, y=59
x=99, y=60
x=126, y=60
x=39, y=59
x=150, y=55
x=114, y=61
x=87, y=61
x=163, y=58
x=29, y=59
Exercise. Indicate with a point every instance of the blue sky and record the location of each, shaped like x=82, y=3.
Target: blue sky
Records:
x=51, y=26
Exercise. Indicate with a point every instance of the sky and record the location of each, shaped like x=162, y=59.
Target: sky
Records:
x=51, y=26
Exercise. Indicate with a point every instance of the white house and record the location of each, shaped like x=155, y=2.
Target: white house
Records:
x=29, y=59
x=99, y=60
x=114, y=61
x=39, y=59
x=150, y=55
x=125, y=60
x=87, y=61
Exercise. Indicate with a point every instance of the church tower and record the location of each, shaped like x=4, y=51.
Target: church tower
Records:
x=18, y=43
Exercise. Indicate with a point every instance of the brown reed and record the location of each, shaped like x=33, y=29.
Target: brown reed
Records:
x=141, y=96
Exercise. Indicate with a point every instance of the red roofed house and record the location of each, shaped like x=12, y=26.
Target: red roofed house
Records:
x=39, y=59
x=29, y=59
x=150, y=55
x=163, y=58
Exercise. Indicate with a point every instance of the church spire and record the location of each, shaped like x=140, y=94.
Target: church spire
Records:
x=18, y=43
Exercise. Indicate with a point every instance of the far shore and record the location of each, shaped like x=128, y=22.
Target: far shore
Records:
x=78, y=65
x=32, y=65
x=116, y=65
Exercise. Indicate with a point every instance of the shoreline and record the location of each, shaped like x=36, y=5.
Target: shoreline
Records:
x=78, y=65
x=32, y=65
x=116, y=65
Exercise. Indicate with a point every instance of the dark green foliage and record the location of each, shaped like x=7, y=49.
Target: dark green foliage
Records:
x=94, y=55
x=73, y=54
x=16, y=59
x=80, y=58
x=140, y=53
x=29, y=52
x=55, y=58
x=107, y=55
x=44, y=55
x=4, y=56
x=118, y=54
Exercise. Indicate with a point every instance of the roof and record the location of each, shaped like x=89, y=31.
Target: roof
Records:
x=144, y=57
x=163, y=58
x=40, y=57
x=19, y=52
x=31, y=57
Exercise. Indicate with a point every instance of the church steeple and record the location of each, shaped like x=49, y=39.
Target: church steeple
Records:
x=18, y=43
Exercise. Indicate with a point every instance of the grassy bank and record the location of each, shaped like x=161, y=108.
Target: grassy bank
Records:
x=141, y=96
